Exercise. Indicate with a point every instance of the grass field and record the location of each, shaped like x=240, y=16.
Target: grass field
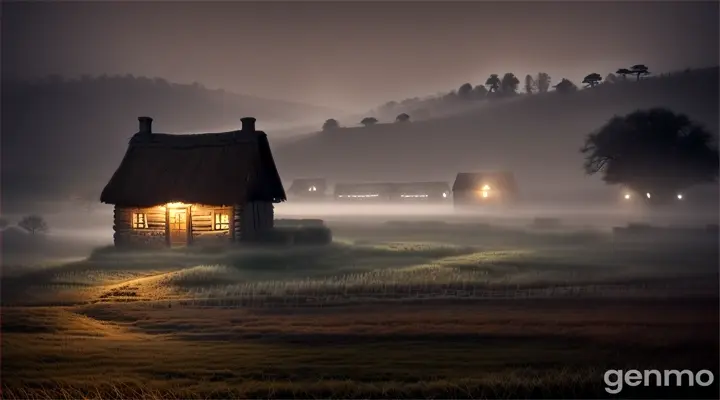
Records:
x=388, y=310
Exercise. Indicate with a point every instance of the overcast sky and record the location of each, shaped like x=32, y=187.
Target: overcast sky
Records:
x=353, y=55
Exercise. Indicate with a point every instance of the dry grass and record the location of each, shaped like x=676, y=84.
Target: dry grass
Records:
x=359, y=319
x=518, y=349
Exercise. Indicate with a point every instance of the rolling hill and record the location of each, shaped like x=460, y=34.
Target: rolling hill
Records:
x=63, y=137
x=538, y=137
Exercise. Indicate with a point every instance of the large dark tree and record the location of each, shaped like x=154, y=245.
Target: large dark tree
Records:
x=479, y=92
x=330, y=125
x=654, y=151
x=509, y=83
x=592, y=80
x=465, y=91
x=624, y=72
x=543, y=82
x=529, y=84
x=367, y=121
x=639, y=70
x=402, y=118
x=493, y=83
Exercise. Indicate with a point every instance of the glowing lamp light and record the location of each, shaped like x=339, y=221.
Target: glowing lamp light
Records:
x=486, y=187
x=312, y=189
x=358, y=195
x=648, y=195
x=444, y=195
x=176, y=204
x=627, y=196
x=680, y=196
x=484, y=193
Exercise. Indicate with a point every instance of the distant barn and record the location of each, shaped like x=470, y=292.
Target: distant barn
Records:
x=393, y=192
x=175, y=190
x=308, y=189
x=421, y=192
x=484, y=188
x=364, y=192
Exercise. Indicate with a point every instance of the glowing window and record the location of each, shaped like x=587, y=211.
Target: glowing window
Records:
x=222, y=221
x=139, y=221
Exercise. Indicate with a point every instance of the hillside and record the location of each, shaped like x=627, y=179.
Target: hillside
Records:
x=63, y=137
x=538, y=137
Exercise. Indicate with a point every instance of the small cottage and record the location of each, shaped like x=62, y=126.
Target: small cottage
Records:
x=308, y=189
x=484, y=188
x=176, y=190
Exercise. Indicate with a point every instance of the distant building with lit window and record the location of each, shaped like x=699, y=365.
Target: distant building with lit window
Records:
x=484, y=188
x=393, y=192
x=308, y=189
x=421, y=192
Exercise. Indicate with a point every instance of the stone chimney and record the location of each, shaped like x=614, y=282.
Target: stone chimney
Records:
x=248, y=124
x=145, y=125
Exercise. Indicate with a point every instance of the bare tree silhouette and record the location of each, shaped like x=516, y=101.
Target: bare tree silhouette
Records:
x=33, y=224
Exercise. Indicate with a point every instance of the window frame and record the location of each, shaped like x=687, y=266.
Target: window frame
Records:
x=217, y=224
x=135, y=221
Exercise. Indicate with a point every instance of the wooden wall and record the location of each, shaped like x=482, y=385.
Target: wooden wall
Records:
x=152, y=236
x=203, y=220
x=255, y=218
x=246, y=222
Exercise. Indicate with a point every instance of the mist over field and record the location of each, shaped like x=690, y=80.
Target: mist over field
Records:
x=580, y=233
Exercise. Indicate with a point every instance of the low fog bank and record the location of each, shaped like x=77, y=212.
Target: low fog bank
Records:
x=71, y=234
x=600, y=217
x=74, y=232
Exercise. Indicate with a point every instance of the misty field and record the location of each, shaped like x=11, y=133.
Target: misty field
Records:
x=411, y=310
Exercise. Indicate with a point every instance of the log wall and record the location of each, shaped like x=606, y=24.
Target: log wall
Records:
x=246, y=222
x=152, y=236
x=203, y=224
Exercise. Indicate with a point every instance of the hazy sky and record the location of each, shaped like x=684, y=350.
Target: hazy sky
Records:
x=353, y=55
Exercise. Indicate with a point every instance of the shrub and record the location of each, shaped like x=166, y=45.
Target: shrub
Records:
x=313, y=235
x=301, y=235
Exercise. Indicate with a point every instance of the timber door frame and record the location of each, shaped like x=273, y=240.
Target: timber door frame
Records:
x=188, y=225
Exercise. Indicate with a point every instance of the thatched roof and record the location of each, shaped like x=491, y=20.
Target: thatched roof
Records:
x=475, y=180
x=211, y=168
